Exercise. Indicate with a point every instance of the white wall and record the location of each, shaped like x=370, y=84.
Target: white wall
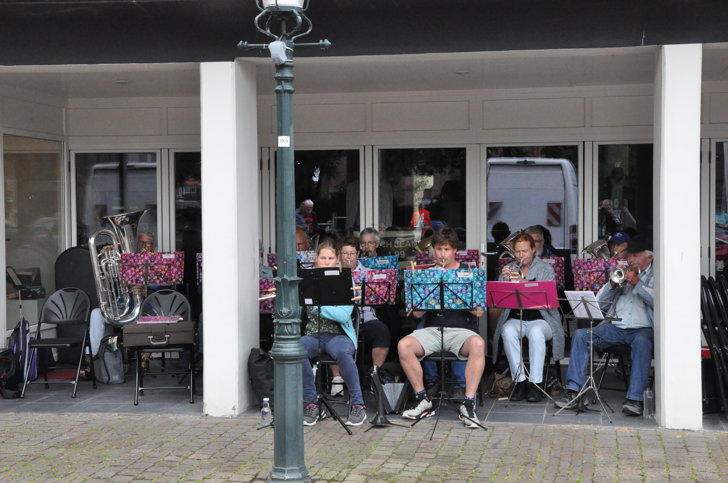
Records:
x=229, y=233
x=677, y=236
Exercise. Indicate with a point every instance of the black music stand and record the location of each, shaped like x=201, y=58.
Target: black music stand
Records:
x=443, y=288
x=585, y=306
x=376, y=300
x=325, y=286
x=523, y=295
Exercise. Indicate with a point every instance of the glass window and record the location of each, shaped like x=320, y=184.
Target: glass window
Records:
x=188, y=221
x=721, y=206
x=329, y=178
x=33, y=217
x=420, y=189
x=624, y=188
x=113, y=183
x=534, y=185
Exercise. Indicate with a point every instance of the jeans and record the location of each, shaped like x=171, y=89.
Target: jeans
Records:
x=537, y=332
x=606, y=335
x=341, y=349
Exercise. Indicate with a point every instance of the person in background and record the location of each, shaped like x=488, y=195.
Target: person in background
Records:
x=303, y=242
x=306, y=217
x=330, y=329
x=618, y=245
x=370, y=244
x=542, y=239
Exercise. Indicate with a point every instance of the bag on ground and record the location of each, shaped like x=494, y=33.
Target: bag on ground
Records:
x=109, y=362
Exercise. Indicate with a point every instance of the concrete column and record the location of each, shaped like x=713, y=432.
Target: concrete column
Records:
x=677, y=236
x=229, y=232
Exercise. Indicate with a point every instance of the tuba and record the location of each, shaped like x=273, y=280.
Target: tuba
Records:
x=599, y=249
x=117, y=301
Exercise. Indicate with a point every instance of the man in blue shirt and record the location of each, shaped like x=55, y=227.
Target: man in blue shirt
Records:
x=632, y=304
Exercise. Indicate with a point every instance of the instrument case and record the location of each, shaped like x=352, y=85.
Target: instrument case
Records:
x=159, y=334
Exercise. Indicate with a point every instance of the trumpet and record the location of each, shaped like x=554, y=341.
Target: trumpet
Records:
x=517, y=263
x=618, y=276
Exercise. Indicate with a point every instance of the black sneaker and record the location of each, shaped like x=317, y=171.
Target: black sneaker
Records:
x=311, y=414
x=631, y=407
x=534, y=393
x=520, y=391
x=420, y=408
x=568, y=401
x=357, y=415
x=467, y=414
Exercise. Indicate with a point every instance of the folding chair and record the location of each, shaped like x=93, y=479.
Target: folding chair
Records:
x=165, y=302
x=67, y=308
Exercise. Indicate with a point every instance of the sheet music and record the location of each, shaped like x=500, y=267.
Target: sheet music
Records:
x=580, y=300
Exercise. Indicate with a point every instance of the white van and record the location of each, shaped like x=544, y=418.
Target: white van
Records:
x=535, y=191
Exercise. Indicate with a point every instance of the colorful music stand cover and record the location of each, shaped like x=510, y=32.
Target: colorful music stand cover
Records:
x=306, y=258
x=379, y=286
x=557, y=263
x=159, y=268
x=462, y=289
x=380, y=263
x=591, y=273
x=469, y=258
x=264, y=288
x=198, y=262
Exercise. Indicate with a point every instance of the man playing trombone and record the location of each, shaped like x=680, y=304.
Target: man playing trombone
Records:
x=630, y=300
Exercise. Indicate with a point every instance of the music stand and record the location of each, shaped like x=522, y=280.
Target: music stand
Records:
x=456, y=291
x=584, y=305
x=535, y=295
x=325, y=286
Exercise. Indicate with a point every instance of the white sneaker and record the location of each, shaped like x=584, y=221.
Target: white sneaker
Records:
x=468, y=416
x=337, y=386
x=420, y=407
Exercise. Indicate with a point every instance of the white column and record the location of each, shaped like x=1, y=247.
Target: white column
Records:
x=677, y=236
x=229, y=232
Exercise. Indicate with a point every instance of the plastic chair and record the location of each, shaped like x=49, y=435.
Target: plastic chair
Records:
x=165, y=302
x=65, y=308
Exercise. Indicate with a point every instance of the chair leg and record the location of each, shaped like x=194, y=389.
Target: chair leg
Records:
x=623, y=366
x=137, y=376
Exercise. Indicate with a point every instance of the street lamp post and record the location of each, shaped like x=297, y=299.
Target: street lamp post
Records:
x=285, y=21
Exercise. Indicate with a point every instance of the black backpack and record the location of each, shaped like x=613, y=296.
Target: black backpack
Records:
x=260, y=372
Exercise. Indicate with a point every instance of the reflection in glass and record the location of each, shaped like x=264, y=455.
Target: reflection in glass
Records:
x=420, y=189
x=534, y=185
x=33, y=211
x=112, y=183
x=624, y=188
x=330, y=178
x=188, y=220
x=721, y=206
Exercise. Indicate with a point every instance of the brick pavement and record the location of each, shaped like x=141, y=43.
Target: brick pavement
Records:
x=130, y=447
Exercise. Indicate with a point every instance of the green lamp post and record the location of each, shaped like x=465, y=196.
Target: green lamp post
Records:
x=285, y=21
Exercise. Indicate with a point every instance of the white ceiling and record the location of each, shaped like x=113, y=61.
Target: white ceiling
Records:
x=464, y=71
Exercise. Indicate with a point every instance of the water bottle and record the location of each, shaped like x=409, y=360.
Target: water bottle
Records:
x=648, y=404
x=265, y=412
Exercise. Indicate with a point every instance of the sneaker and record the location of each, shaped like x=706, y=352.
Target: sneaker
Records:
x=467, y=414
x=357, y=415
x=569, y=401
x=420, y=408
x=458, y=392
x=337, y=386
x=520, y=391
x=632, y=407
x=534, y=393
x=311, y=414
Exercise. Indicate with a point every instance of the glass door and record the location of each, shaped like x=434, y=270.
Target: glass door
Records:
x=34, y=229
x=187, y=191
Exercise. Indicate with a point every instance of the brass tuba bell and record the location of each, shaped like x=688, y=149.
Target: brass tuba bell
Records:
x=599, y=249
x=117, y=301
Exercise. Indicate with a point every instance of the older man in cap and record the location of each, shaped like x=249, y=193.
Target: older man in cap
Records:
x=632, y=305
